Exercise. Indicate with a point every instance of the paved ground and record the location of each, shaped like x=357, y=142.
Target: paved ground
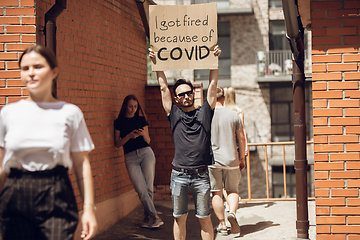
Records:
x=258, y=221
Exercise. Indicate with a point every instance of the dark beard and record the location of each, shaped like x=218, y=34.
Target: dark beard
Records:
x=187, y=106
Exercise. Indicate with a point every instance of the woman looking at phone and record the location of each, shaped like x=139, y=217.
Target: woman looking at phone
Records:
x=131, y=132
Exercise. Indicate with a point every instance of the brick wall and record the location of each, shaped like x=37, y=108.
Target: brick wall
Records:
x=101, y=49
x=17, y=32
x=161, y=142
x=336, y=95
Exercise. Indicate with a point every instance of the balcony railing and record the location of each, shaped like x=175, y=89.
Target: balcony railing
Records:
x=207, y=1
x=258, y=166
x=220, y=3
x=238, y=7
x=277, y=63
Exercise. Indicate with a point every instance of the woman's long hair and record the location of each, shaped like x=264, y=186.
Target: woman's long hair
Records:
x=124, y=107
x=229, y=97
x=230, y=101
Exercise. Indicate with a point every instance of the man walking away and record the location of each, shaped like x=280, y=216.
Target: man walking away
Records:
x=229, y=156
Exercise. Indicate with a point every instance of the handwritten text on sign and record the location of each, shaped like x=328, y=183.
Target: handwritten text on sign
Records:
x=182, y=37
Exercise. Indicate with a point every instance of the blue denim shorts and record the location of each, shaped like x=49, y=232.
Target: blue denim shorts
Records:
x=199, y=184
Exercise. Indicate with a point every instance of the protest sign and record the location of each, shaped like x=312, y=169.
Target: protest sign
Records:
x=183, y=37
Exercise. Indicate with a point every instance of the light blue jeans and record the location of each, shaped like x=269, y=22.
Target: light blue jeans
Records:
x=140, y=165
x=199, y=184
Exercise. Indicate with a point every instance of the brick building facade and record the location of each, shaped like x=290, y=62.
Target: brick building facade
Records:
x=248, y=29
x=336, y=95
x=333, y=96
x=101, y=49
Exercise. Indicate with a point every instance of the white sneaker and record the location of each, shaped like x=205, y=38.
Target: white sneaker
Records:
x=222, y=229
x=226, y=207
x=235, y=228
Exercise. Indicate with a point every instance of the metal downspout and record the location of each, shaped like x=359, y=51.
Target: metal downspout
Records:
x=50, y=30
x=140, y=6
x=295, y=35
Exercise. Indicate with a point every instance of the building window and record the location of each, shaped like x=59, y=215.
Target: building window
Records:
x=277, y=36
x=282, y=113
x=278, y=181
x=220, y=3
x=224, y=58
x=275, y=3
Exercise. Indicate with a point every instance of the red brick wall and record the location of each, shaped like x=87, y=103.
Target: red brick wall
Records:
x=336, y=96
x=101, y=48
x=17, y=32
x=161, y=142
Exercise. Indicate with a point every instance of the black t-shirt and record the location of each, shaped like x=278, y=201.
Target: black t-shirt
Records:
x=126, y=126
x=192, y=135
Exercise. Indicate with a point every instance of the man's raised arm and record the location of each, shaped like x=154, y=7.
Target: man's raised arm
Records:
x=164, y=89
x=213, y=79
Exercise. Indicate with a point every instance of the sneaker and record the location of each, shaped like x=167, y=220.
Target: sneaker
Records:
x=227, y=209
x=146, y=223
x=222, y=229
x=235, y=228
x=157, y=222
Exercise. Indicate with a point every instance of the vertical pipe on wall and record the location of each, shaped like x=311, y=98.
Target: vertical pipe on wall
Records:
x=300, y=163
x=140, y=6
x=50, y=30
x=295, y=35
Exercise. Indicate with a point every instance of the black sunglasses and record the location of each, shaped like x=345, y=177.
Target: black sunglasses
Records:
x=188, y=93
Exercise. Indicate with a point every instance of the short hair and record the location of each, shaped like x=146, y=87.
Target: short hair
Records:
x=180, y=82
x=219, y=92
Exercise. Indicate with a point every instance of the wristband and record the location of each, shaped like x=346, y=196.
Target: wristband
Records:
x=87, y=203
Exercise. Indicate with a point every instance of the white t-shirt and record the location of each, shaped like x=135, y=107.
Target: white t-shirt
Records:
x=38, y=136
x=224, y=125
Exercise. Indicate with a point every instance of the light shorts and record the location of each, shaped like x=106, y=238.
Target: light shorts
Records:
x=222, y=178
x=199, y=184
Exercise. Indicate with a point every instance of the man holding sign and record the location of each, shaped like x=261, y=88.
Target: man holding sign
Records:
x=185, y=37
x=191, y=134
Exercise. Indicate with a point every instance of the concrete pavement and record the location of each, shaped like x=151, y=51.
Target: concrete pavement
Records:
x=258, y=221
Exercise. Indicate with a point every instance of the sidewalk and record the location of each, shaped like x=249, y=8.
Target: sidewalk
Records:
x=258, y=221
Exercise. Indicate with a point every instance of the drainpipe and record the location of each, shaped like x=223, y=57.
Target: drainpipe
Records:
x=295, y=35
x=50, y=30
x=140, y=6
